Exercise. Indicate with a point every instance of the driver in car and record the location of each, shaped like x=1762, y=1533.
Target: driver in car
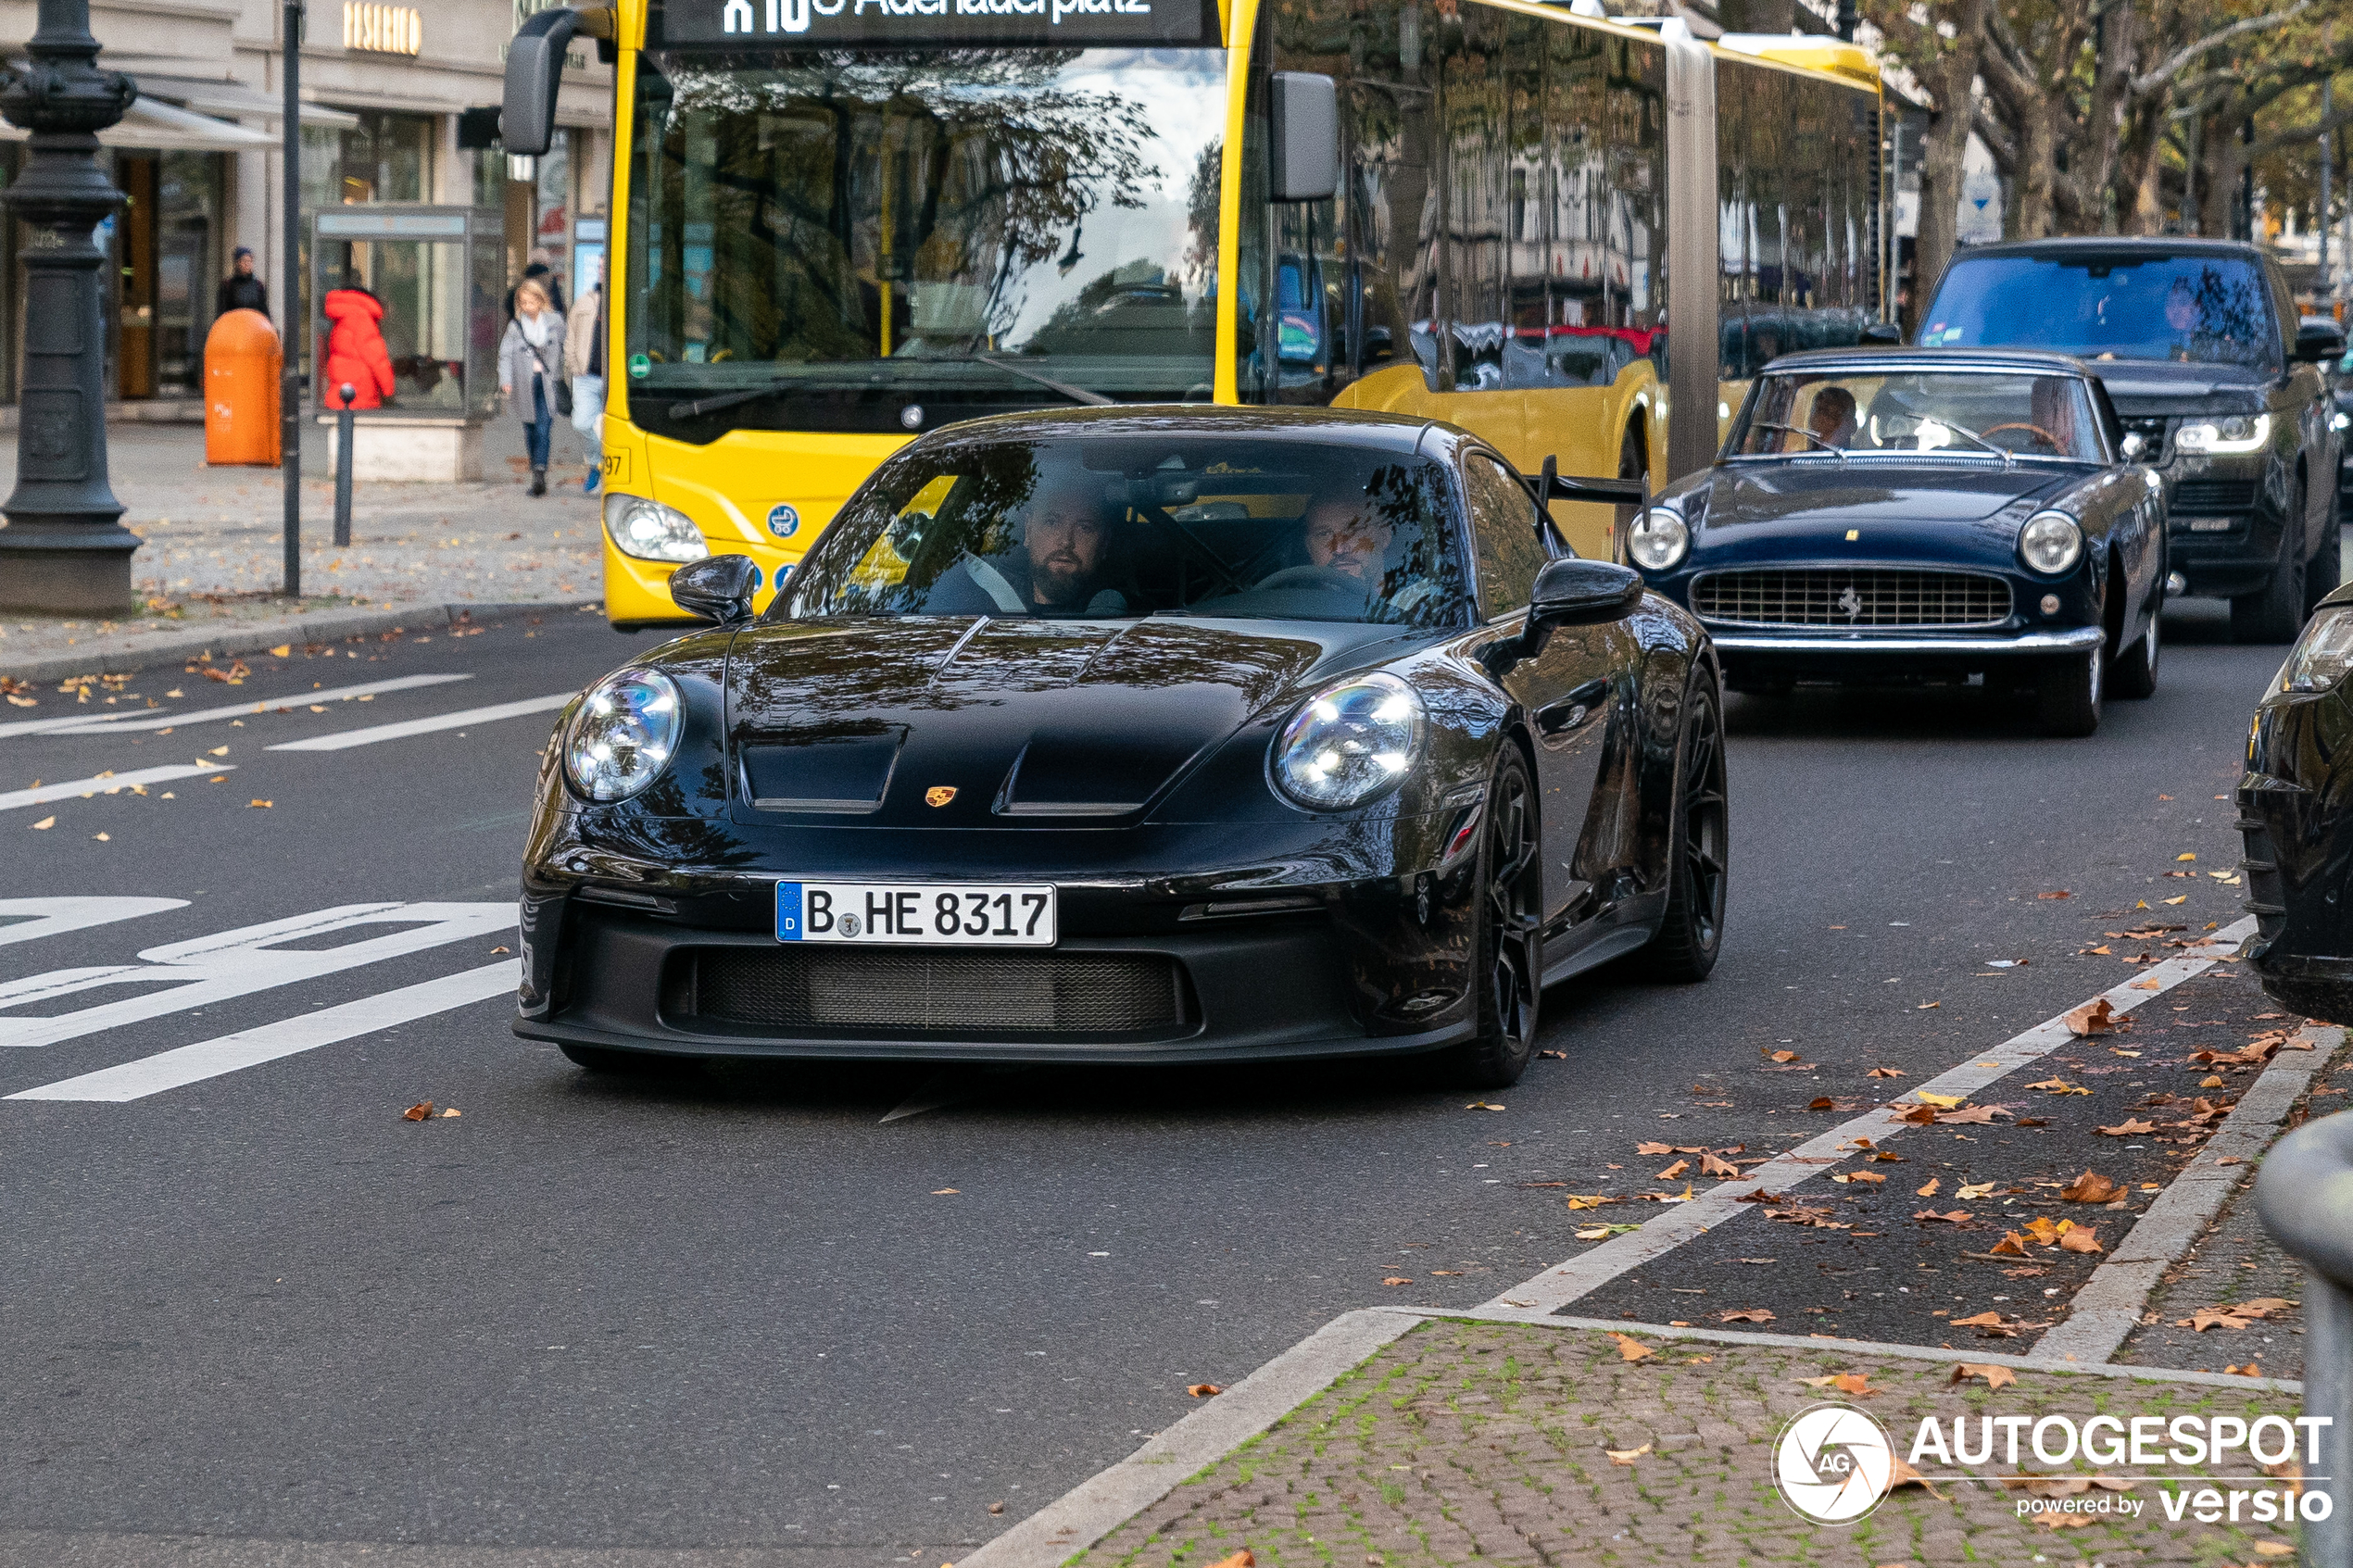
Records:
x=1831, y=418
x=1348, y=549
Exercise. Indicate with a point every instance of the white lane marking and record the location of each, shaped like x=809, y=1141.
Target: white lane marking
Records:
x=52, y=916
x=457, y=720
x=158, y=718
x=236, y=963
x=113, y=782
x=250, y=1047
x=1589, y=1271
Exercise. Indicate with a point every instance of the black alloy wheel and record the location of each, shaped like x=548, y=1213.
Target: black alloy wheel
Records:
x=1689, y=938
x=2136, y=672
x=2326, y=568
x=1507, y=961
x=2275, y=612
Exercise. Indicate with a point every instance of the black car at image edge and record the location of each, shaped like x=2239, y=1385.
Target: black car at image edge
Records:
x=2296, y=811
x=1145, y=735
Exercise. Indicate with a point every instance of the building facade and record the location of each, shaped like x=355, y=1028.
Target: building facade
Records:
x=383, y=87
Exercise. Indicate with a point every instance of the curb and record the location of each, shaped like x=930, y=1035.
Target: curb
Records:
x=315, y=626
x=2110, y=1305
x=1107, y=1499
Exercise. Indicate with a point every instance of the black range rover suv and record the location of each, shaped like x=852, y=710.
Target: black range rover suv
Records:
x=2207, y=363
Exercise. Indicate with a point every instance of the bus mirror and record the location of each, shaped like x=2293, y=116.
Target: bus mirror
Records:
x=535, y=70
x=1304, y=146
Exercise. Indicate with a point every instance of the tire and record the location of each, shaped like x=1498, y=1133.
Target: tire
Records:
x=2067, y=692
x=2134, y=676
x=2326, y=568
x=1507, y=953
x=629, y=1064
x=1685, y=945
x=2328, y=1001
x=2276, y=614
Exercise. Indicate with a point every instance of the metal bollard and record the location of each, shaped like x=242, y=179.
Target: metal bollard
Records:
x=2305, y=1196
x=343, y=466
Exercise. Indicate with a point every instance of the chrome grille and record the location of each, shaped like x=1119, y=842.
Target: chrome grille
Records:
x=1844, y=597
x=2212, y=497
x=912, y=991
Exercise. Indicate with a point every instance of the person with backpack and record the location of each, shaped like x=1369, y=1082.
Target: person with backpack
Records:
x=530, y=356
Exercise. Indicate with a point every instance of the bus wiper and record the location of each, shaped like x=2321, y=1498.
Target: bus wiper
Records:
x=729, y=399
x=1796, y=429
x=1075, y=394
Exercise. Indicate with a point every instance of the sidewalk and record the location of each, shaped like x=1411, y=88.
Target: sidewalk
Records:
x=1483, y=1442
x=213, y=561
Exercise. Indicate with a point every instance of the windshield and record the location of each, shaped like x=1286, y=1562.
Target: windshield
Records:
x=875, y=229
x=1253, y=530
x=2182, y=307
x=1945, y=413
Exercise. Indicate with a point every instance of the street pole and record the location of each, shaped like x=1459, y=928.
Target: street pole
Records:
x=2328, y=283
x=289, y=383
x=65, y=549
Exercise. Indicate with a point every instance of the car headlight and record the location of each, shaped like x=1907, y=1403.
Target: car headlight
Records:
x=650, y=531
x=623, y=735
x=2050, y=542
x=2238, y=433
x=2322, y=655
x=1350, y=744
x=1659, y=539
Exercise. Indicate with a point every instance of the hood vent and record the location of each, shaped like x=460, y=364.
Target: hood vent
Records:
x=832, y=774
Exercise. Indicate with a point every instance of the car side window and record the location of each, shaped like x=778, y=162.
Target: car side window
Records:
x=1504, y=537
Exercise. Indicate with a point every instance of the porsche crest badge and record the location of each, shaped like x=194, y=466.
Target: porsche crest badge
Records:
x=939, y=795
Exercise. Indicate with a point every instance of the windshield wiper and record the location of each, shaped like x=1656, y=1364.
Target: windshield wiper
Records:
x=1075, y=394
x=1798, y=430
x=728, y=399
x=2007, y=457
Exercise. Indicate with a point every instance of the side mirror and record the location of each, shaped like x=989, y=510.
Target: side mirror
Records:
x=536, y=70
x=2133, y=447
x=716, y=588
x=2319, y=340
x=1882, y=335
x=1584, y=592
x=1303, y=144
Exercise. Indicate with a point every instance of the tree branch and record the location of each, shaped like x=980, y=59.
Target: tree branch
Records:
x=2150, y=81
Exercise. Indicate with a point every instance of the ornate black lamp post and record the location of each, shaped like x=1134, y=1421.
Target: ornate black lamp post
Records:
x=65, y=548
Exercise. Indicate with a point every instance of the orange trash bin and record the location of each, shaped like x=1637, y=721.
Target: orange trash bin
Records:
x=241, y=361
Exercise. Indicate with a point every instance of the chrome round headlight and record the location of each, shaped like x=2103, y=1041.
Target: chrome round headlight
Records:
x=650, y=530
x=1350, y=744
x=2050, y=542
x=623, y=735
x=1660, y=539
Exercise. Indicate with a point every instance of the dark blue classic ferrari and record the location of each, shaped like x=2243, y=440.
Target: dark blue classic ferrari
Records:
x=1923, y=517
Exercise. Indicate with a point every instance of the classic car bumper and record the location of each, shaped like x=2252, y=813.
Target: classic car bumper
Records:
x=2074, y=639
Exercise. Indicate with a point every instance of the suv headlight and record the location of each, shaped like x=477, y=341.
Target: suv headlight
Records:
x=2237, y=433
x=1350, y=744
x=2050, y=542
x=623, y=735
x=650, y=531
x=2322, y=655
x=1659, y=539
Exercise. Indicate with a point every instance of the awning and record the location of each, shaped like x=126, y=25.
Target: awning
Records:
x=208, y=96
x=157, y=125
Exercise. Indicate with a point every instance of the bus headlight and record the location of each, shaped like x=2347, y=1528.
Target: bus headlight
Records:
x=1659, y=539
x=650, y=530
x=2050, y=542
x=2238, y=433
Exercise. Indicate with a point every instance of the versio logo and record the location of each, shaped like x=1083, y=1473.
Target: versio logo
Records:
x=1832, y=1464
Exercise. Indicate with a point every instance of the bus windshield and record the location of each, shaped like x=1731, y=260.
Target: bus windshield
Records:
x=831, y=239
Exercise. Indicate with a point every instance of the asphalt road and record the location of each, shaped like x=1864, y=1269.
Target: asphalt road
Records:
x=256, y=1304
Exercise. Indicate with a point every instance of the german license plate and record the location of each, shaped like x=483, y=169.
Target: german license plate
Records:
x=930, y=915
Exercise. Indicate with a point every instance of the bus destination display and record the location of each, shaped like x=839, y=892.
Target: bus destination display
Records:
x=919, y=23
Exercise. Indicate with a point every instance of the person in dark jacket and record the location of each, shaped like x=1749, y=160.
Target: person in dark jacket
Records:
x=356, y=354
x=241, y=289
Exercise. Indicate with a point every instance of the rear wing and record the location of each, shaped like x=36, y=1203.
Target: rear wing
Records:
x=1550, y=486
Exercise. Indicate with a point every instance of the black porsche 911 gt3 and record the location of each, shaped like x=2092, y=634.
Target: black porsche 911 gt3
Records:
x=2297, y=829
x=1146, y=735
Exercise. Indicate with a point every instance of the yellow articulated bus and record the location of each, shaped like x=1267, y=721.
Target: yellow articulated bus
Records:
x=838, y=223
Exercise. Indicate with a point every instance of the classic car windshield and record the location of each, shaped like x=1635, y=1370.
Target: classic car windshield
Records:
x=1142, y=525
x=1945, y=413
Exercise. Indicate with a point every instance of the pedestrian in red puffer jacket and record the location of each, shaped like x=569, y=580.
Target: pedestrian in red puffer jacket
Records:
x=356, y=353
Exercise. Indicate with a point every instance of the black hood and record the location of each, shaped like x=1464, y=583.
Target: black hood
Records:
x=2158, y=386
x=1823, y=489
x=859, y=721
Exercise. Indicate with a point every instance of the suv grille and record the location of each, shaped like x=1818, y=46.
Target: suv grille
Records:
x=912, y=991
x=1851, y=597
x=2213, y=497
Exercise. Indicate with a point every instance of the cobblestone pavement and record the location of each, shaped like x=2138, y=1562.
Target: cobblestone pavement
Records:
x=214, y=552
x=1466, y=1442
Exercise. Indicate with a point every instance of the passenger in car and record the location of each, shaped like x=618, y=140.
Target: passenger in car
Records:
x=1061, y=567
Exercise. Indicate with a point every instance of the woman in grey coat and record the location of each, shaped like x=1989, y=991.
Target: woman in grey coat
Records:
x=530, y=357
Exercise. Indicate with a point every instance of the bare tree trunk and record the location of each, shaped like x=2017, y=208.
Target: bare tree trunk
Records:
x=1947, y=81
